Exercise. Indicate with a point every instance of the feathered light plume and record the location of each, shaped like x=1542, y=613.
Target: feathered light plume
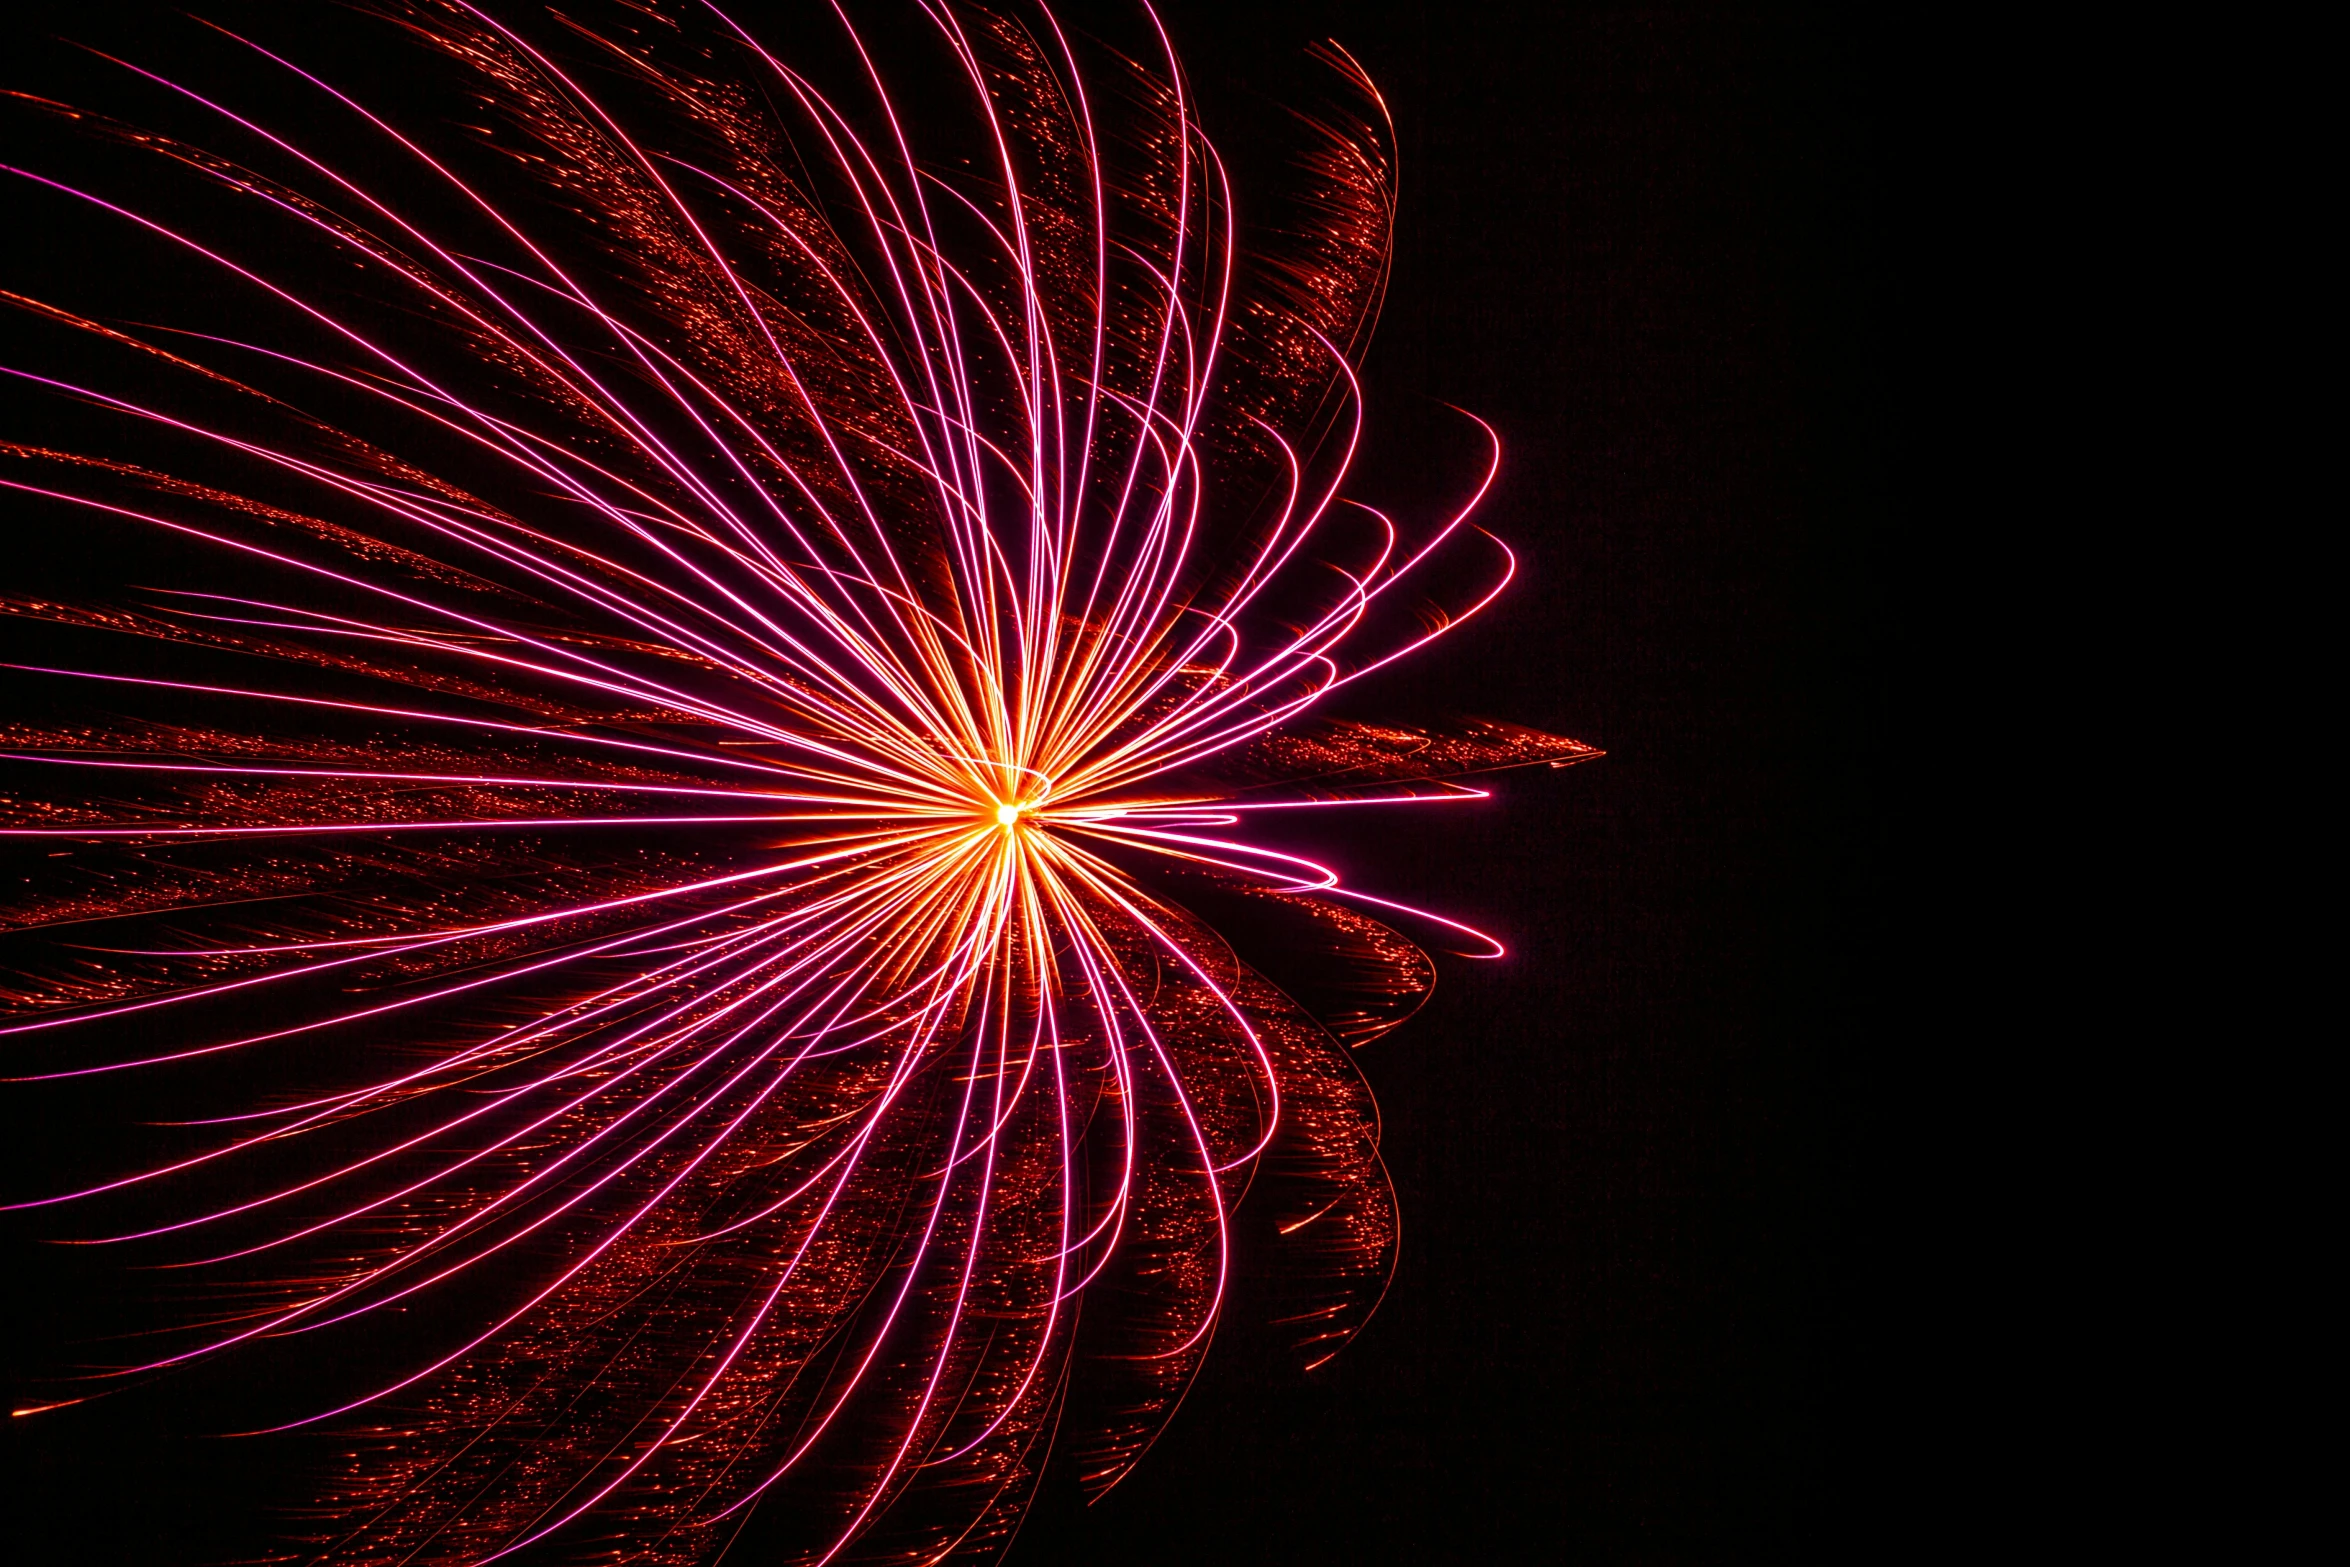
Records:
x=719, y=639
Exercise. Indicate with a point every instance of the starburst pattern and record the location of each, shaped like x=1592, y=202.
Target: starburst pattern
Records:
x=695, y=782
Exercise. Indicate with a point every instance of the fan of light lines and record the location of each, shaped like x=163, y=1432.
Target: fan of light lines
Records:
x=725, y=651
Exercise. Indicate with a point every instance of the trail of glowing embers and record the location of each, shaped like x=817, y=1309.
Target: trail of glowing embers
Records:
x=843, y=1133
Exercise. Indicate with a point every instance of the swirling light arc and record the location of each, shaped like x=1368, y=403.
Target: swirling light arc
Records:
x=877, y=581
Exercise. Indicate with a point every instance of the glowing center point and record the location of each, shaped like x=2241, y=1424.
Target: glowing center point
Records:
x=1007, y=815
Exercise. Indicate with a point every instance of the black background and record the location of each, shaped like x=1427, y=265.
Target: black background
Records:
x=1633, y=1313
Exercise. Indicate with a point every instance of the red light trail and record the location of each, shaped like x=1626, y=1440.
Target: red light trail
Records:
x=925, y=568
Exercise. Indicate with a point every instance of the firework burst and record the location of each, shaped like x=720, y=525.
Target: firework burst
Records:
x=725, y=635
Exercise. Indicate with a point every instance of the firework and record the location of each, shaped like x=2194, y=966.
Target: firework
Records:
x=738, y=631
